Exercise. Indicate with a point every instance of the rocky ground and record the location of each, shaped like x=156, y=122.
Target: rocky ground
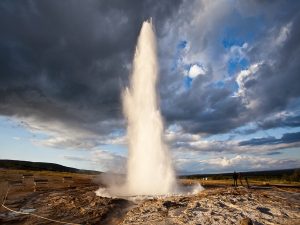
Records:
x=220, y=206
x=224, y=205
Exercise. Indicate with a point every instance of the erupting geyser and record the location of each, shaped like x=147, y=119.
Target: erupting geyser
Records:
x=150, y=170
x=149, y=166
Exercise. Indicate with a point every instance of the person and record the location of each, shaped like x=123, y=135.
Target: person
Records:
x=235, y=177
x=246, y=179
x=240, y=178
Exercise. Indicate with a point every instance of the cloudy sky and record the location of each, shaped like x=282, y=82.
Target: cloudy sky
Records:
x=229, y=81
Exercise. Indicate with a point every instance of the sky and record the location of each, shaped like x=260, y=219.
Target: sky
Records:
x=229, y=81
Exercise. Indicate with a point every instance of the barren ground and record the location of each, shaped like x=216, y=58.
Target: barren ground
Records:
x=76, y=202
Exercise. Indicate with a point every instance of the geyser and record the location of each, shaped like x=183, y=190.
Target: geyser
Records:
x=149, y=167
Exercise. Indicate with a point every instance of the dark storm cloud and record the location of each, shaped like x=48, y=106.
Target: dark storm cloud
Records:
x=285, y=121
x=274, y=153
x=206, y=108
x=276, y=85
x=68, y=60
x=285, y=139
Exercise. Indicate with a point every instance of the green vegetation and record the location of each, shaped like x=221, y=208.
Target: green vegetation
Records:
x=287, y=176
x=295, y=177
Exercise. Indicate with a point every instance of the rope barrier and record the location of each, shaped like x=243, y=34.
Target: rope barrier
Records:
x=33, y=214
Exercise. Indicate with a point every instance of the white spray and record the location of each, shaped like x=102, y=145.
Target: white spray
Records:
x=149, y=169
x=149, y=166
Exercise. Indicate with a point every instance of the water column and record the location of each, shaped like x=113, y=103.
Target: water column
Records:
x=150, y=170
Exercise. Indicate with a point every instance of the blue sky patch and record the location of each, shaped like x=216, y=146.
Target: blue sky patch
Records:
x=182, y=44
x=229, y=42
x=178, y=54
x=239, y=33
x=187, y=82
x=237, y=64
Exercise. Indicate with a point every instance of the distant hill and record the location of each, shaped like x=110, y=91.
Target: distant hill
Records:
x=274, y=174
x=38, y=166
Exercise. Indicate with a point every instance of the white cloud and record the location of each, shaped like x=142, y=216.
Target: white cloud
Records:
x=238, y=52
x=244, y=76
x=283, y=34
x=182, y=143
x=57, y=134
x=110, y=161
x=246, y=162
x=234, y=163
x=103, y=161
x=196, y=70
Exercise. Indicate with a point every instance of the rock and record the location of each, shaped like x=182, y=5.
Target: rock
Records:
x=169, y=204
x=246, y=221
x=82, y=210
x=93, y=204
